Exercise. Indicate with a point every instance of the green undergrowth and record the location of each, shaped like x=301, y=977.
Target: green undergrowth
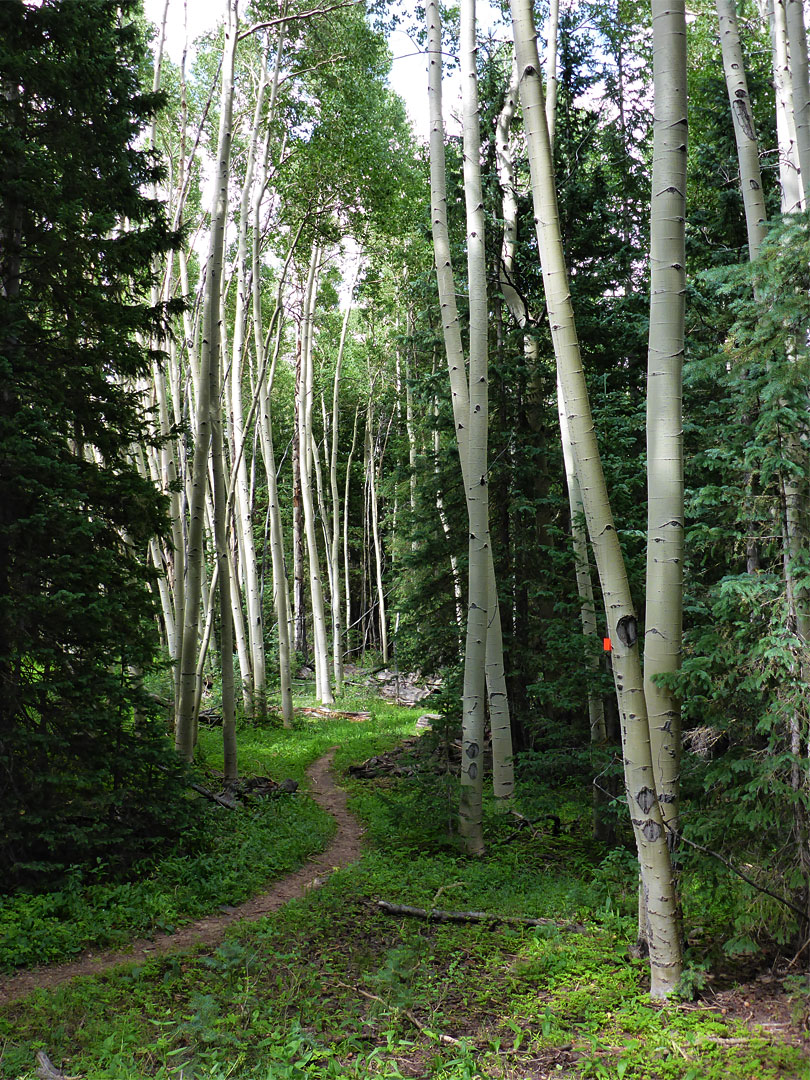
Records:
x=235, y=854
x=332, y=987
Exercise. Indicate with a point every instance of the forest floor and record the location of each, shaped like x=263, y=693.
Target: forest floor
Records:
x=309, y=978
x=208, y=932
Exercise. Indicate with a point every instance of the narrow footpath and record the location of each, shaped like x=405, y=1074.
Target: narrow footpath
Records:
x=344, y=849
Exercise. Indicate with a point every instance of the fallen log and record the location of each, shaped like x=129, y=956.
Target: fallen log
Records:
x=332, y=714
x=435, y=915
x=46, y=1070
x=221, y=800
x=235, y=792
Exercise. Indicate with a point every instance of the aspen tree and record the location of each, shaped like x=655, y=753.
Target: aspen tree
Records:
x=665, y=511
x=756, y=217
x=648, y=827
x=210, y=361
x=244, y=510
x=372, y=461
x=346, y=486
x=796, y=32
x=789, y=178
x=334, y=540
x=467, y=412
x=281, y=598
x=320, y=651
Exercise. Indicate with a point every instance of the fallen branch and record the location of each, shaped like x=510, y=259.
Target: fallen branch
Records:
x=447, y=1039
x=46, y=1070
x=435, y=915
x=332, y=714
x=221, y=800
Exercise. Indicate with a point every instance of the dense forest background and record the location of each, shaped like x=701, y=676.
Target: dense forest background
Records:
x=228, y=437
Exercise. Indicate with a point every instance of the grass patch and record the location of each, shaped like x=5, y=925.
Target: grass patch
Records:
x=328, y=987
x=234, y=856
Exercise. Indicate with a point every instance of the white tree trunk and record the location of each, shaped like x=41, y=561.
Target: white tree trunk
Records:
x=800, y=87
x=320, y=650
x=374, y=516
x=665, y=509
x=346, y=487
x=656, y=868
x=209, y=360
x=464, y=411
x=244, y=501
x=335, y=578
x=789, y=179
x=756, y=216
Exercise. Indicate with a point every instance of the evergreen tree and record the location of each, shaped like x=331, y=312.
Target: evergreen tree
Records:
x=79, y=750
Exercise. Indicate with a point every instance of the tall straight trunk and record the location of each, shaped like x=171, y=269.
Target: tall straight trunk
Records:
x=587, y=613
x=467, y=412
x=209, y=362
x=458, y=591
x=244, y=503
x=587, y=609
x=756, y=216
x=347, y=483
x=800, y=87
x=409, y=424
x=374, y=518
x=334, y=584
x=477, y=433
x=226, y=621
x=665, y=510
x=281, y=599
x=319, y=643
x=299, y=591
x=648, y=827
x=789, y=178
x=552, y=33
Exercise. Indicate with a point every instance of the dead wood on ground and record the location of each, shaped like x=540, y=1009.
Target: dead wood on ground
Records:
x=488, y=918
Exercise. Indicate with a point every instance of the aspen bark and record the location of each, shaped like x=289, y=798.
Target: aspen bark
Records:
x=346, y=487
x=665, y=509
x=552, y=31
x=281, y=598
x=794, y=527
x=648, y=827
x=299, y=595
x=800, y=87
x=744, y=130
x=244, y=502
x=334, y=587
x=209, y=361
x=458, y=591
x=467, y=410
x=789, y=178
x=319, y=648
x=374, y=517
x=226, y=620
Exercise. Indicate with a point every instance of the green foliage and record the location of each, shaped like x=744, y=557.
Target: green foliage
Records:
x=280, y=996
x=86, y=774
x=231, y=857
x=742, y=681
x=224, y=856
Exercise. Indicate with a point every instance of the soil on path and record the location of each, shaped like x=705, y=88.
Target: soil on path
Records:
x=343, y=850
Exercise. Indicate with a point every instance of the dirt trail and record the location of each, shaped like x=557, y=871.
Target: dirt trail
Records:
x=343, y=850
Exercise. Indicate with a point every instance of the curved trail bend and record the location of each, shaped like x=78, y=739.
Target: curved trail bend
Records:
x=343, y=850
